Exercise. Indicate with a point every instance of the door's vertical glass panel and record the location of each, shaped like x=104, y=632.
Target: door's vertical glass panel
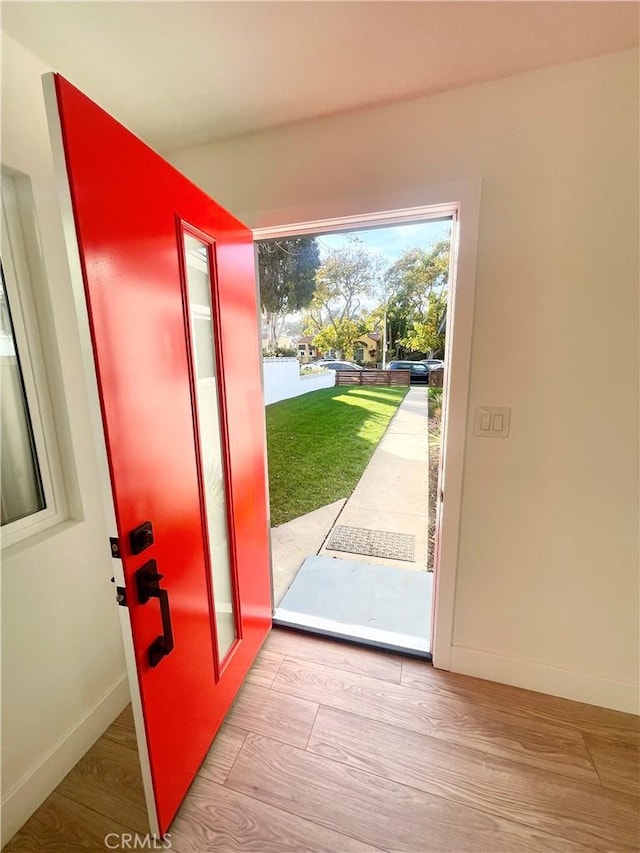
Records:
x=211, y=445
x=21, y=493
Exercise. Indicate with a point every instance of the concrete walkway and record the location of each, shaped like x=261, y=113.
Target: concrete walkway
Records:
x=391, y=495
x=293, y=542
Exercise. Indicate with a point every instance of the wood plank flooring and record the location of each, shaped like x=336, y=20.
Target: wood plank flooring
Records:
x=490, y=730
x=335, y=748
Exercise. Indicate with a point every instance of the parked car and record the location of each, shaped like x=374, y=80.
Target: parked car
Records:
x=433, y=363
x=419, y=370
x=337, y=365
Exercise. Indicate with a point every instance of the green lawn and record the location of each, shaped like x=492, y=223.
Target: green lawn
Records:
x=319, y=445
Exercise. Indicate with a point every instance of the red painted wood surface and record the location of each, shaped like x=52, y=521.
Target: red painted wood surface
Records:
x=127, y=205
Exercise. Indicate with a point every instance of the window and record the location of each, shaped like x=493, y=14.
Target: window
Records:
x=31, y=497
x=200, y=271
x=22, y=493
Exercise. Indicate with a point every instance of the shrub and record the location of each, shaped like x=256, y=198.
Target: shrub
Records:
x=435, y=401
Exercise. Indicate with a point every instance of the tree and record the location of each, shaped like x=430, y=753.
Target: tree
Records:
x=344, y=282
x=427, y=336
x=418, y=282
x=340, y=337
x=287, y=271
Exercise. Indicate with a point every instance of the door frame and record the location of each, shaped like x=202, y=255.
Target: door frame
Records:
x=95, y=418
x=461, y=200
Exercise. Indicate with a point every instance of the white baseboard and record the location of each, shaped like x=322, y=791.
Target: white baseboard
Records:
x=618, y=695
x=33, y=789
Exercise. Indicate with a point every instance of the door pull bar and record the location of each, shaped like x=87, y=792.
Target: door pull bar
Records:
x=148, y=583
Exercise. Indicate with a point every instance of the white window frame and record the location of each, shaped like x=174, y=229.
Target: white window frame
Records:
x=18, y=283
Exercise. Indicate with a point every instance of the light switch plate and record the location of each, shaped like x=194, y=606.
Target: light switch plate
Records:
x=492, y=421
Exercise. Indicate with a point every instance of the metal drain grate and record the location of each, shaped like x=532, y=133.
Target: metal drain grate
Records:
x=373, y=543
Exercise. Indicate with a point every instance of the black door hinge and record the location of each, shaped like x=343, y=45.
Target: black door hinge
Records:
x=114, y=545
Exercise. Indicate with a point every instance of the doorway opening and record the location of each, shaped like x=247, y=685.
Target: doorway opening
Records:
x=356, y=311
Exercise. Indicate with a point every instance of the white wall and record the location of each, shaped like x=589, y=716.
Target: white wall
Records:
x=282, y=379
x=63, y=676
x=547, y=588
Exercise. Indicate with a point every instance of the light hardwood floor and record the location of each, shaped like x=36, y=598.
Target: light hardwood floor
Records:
x=331, y=747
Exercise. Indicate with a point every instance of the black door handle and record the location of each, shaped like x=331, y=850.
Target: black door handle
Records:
x=148, y=583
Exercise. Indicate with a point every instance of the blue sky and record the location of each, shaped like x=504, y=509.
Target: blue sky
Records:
x=391, y=242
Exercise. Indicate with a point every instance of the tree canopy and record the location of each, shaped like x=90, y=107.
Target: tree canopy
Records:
x=350, y=293
x=287, y=270
x=345, y=281
x=416, y=286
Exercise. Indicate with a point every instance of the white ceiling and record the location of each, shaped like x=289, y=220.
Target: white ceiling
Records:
x=181, y=73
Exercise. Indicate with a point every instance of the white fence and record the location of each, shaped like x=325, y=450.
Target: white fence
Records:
x=282, y=379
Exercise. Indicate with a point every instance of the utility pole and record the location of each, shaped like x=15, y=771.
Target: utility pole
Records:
x=384, y=334
x=384, y=326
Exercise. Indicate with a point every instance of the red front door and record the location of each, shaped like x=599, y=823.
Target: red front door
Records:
x=171, y=297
